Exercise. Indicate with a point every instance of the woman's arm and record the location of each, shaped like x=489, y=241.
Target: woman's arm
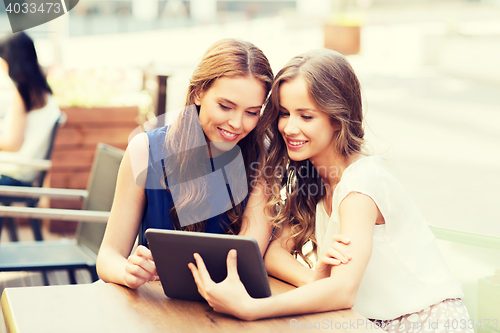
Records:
x=358, y=214
x=13, y=140
x=114, y=262
x=281, y=264
x=256, y=223
x=278, y=260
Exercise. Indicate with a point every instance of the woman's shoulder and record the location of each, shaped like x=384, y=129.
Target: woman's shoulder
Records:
x=138, y=152
x=139, y=143
x=156, y=134
x=368, y=175
x=366, y=168
x=49, y=110
x=157, y=142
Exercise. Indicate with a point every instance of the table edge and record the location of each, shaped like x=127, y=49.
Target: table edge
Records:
x=7, y=313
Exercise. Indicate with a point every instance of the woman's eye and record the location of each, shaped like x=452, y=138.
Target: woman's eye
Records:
x=307, y=117
x=224, y=107
x=252, y=113
x=283, y=114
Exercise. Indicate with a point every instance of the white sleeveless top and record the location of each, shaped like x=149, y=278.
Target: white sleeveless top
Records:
x=406, y=272
x=39, y=125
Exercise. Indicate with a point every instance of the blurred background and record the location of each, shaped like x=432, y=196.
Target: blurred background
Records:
x=429, y=70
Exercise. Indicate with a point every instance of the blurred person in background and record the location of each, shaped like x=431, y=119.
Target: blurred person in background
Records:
x=30, y=116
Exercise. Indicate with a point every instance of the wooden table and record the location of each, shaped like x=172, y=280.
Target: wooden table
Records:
x=103, y=307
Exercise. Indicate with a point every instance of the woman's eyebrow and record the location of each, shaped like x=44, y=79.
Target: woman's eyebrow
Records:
x=227, y=101
x=234, y=104
x=305, y=109
x=299, y=109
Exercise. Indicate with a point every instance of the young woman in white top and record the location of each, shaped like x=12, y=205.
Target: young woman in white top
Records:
x=30, y=118
x=391, y=271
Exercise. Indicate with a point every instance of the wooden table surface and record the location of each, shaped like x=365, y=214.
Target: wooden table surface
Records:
x=105, y=307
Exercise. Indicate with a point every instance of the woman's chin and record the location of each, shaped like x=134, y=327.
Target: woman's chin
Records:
x=222, y=146
x=296, y=157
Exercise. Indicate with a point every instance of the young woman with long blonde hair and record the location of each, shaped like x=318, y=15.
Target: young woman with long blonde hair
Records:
x=164, y=179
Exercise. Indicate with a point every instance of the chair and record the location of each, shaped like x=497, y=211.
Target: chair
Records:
x=42, y=165
x=70, y=255
x=474, y=260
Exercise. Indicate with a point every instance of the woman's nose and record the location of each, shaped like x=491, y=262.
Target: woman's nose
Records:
x=291, y=127
x=235, y=121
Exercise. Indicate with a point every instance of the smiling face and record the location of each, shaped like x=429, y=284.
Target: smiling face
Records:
x=308, y=132
x=230, y=109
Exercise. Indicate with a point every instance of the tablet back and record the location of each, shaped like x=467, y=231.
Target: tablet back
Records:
x=173, y=250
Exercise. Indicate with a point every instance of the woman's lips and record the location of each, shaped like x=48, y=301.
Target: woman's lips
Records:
x=226, y=135
x=295, y=144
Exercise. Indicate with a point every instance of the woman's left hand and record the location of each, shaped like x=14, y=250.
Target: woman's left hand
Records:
x=228, y=296
x=335, y=255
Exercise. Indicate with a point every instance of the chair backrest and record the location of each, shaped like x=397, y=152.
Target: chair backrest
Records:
x=101, y=191
x=474, y=261
x=38, y=181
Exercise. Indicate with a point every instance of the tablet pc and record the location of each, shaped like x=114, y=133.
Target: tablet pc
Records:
x=172, y=251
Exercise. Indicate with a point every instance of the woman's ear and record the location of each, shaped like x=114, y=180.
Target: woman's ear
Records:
x=336, y=125
x=198, y=95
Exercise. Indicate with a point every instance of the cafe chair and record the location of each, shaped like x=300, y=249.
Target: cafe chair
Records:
x=473, y=259
x=67, y=255
x=43, y=166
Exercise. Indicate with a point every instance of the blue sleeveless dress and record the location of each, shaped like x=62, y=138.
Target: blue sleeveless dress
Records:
x=159, y=201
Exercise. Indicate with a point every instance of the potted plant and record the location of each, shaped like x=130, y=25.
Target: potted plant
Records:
x=343, y=29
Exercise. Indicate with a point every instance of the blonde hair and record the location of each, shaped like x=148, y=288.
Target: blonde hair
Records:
x=335, y=89
x=225, y=58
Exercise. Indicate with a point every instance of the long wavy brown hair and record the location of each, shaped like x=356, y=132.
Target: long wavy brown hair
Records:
x=335, y=89
x=225, y=58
